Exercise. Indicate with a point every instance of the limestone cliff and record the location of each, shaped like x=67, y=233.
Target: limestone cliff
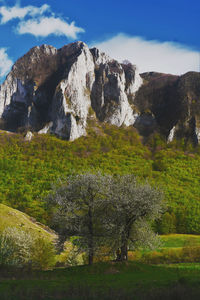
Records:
x=53, y=90
x=50, y=90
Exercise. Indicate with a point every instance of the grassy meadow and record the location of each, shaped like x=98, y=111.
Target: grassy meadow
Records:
x=105, y=281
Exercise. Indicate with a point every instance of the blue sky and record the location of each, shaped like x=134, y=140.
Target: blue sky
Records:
x=157, y=35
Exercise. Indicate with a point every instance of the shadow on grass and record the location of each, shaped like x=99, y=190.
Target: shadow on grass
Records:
x=102, y=281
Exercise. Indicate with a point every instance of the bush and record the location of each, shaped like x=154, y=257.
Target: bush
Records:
x=168, y=256
x=70, y=255
x=19, y=248
x=15, y=247
x=42, y=254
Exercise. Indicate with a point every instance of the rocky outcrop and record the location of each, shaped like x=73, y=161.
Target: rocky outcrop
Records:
x=50, y=90
x=71, y=100
x=174, y=104
x=58, y=87
x=24, y=96
x=115, y=85
x=28, y=136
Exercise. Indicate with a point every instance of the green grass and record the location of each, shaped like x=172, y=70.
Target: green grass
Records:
x=10, y=217
x=106, y=281
x=175, y=248
x=179, y=240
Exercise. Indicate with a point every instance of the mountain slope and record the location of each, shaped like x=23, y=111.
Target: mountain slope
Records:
x=27, y=170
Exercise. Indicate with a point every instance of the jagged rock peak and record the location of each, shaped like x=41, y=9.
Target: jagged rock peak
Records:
x=58, y=87
x=99, y=57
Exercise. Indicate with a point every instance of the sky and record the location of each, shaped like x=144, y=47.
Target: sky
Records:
x=155, y=35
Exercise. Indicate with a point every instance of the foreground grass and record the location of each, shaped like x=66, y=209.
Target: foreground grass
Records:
x=105, y=281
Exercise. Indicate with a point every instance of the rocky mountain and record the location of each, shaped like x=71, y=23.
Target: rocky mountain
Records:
x=171, y=105
x=57, y=91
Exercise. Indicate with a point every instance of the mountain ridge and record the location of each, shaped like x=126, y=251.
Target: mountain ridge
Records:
x=55, y=90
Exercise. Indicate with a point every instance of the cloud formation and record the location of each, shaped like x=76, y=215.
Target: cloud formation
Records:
x=5, y=62
x=38, y=21
x=45, y=26
x=166, y=57
x=17, y=12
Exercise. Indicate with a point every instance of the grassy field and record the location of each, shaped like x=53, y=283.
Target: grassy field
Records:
x=149, y=275
x=180, y=240
x=175, y=248
x=106, y=281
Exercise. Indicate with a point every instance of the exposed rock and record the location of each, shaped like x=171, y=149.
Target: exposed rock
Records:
x=50, y=90
x=71, y=101
x=59, y=86
x=46, y=128
x=171, y=135
x=146, y=124
x=175, y=103
x=111, y=90
x=28, y=136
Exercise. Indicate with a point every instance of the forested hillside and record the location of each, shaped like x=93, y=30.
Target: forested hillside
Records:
x=28, y=170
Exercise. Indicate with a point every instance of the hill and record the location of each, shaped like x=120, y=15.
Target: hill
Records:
x=27, y=170
x=10, y=217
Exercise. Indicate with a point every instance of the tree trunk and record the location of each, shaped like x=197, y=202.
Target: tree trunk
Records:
x=90, y=240
x=118, y=254
x=91, y=255
x=124, y=251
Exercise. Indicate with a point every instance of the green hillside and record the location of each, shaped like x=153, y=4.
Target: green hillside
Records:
x=27, y=170
x=10, y=217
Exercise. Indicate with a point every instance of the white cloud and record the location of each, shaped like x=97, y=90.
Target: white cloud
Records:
x=17, y=12
x=45, y=26
x=39, y=21
x=166, y=57
x=5, y=63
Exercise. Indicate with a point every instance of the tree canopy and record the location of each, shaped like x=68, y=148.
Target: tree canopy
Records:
x=103, y=210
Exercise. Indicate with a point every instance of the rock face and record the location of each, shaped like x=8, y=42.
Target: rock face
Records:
x=173, y=103
x=114, y=87
x=50, y=90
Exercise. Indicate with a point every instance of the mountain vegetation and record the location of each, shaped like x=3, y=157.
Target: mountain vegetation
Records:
x=25, y=242
x=28, y=170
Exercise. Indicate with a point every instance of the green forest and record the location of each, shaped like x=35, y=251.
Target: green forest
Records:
x=28, y=170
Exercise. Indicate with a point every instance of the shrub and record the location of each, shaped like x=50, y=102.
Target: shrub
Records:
x=19, y=248
x=15, y=247
x=70, y=255
x=135, y=255
x=42, y=254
